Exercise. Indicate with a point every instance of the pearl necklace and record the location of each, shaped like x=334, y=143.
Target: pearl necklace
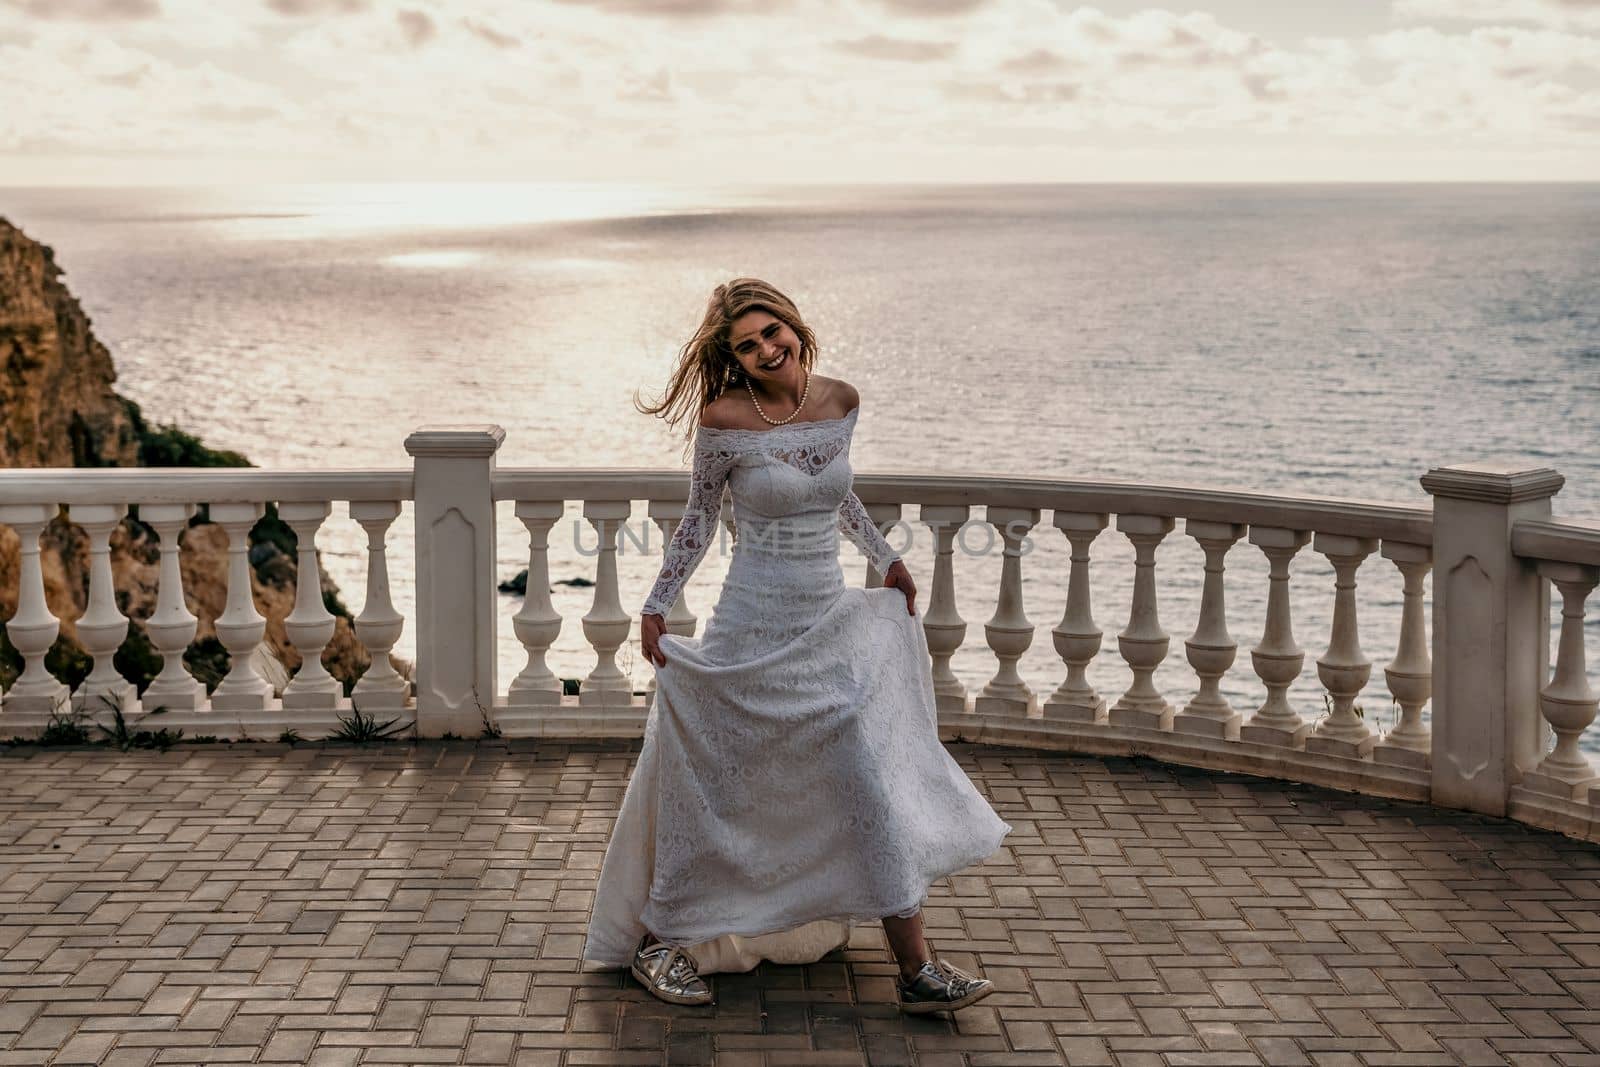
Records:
x=779, y=422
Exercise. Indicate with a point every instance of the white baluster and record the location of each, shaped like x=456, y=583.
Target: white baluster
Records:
x=103, y=628
x=883, y=516
x=1077, y=638
x=1344, y=670
x=1009, y=632
x=1277, y=659
x=942, y=624
x=1410, y=673
x=378, y=626
x=537, y=623
x=1212, y=649
x=36, y=696
x=606, y=625
x=1567, y=702
x=240, y=627
x=1143, y=643
x=171, y=626
x=310, y=625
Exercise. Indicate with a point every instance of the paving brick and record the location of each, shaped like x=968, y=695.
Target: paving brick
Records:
x=426, y=904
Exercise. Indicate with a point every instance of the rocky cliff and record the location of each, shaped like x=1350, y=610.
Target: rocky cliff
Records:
x=58, y=409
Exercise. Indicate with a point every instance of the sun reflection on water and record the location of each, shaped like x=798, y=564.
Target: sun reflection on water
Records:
x=310, y=211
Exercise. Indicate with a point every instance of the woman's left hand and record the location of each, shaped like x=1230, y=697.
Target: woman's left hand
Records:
x=900, y=578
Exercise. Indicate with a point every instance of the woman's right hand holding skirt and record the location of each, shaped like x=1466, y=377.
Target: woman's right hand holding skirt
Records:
x=651, y=627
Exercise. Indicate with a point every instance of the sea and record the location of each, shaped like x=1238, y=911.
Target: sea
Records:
x=1318, y=340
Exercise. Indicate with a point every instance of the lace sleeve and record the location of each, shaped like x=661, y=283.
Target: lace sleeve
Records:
x=857, y=525
x=696, y=530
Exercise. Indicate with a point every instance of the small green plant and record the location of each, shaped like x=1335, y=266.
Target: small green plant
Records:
x=205, y=739
x=1327, y=708
x=362, y=729
x=120, y=733
x=289, y=736
x=491, y=729
x=65, y=729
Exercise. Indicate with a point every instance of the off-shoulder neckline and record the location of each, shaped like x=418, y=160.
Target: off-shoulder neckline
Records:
x=846, y=417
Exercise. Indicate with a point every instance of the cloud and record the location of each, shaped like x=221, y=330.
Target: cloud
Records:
x=417, y=27
x=129, y=101
x=485, y=32
x=899, y=49
x=1013, y=93
x=1559, y=14
x=1038, y=61
x=559, y=89
x=933, y=7
x=1162, y=38
x=655, y=87
x=245, y=113
x=300, y=8
x=88, y=10
x=689, y=8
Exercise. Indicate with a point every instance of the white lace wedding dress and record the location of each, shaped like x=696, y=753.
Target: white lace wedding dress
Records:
x=791, y=778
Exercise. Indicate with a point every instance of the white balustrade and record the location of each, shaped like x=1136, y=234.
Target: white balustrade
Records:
x=1480, y=544
x=537, y=623
x=458, y=613
x=240, y=628
x=606, y=625
x=103, y=627
x=1211, y=651
x=1491, y=633
x=1277, y=659
x=942, y=624
x=1343, y=670
x=1410, y=674
x=379, y=626
x=1568, y=702
x=1009, y=632
x=1077, y=638
x=1143, y=643
x=310, y=625
x=172, y=625
x=35, y=697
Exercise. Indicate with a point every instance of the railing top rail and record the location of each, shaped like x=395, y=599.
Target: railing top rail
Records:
x=1410, y=523
x=1568, y=541
x=199, y=485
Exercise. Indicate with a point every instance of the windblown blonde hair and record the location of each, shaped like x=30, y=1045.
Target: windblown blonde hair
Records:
x=707, y=367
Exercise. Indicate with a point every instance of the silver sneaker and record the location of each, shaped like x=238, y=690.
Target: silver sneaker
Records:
x=669, y=973
x=937, y=986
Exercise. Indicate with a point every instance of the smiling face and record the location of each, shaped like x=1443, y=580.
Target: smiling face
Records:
x=766, y=348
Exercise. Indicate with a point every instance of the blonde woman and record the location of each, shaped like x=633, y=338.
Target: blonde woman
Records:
x=791, y=780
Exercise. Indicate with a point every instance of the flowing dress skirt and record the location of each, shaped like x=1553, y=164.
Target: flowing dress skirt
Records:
x=791, y=779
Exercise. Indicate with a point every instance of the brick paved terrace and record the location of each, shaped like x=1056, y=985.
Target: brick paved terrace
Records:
x=418, y=904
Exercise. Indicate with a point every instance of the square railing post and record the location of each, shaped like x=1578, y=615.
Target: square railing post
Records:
x=457, y=611
x=1491, y=633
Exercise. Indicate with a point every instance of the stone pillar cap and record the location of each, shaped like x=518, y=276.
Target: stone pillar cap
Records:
x=1492, y=482
x=464, y=442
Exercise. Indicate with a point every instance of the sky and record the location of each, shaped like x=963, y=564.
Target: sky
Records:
x=139, y=92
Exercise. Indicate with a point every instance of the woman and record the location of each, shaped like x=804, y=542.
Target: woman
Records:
x=791, y=779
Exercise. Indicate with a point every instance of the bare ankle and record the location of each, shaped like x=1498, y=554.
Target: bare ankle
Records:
x=909, y=968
